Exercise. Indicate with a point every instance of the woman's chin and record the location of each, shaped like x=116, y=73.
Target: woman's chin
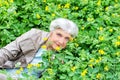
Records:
x=54, y=47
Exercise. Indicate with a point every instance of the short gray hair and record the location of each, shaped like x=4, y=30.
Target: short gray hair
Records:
x=65, y=24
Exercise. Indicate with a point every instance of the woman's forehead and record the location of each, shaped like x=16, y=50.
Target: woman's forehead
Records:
x=62, y=32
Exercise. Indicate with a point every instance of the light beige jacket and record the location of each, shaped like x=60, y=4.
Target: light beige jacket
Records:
x=23, y=49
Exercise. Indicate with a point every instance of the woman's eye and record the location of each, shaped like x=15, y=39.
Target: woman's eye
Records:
x=58, y=34
x=67, y=39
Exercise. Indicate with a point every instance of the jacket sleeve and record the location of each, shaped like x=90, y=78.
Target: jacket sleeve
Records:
x=13, y=49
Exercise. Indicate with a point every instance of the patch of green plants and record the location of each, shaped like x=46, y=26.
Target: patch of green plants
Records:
x=93, y=55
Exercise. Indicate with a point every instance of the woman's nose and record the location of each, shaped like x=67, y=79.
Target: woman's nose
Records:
x=61, y=41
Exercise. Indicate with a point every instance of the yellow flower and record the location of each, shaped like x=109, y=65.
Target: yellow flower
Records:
x=50, y=71
x=76, y=44
x=44, y=1
x=106, y=9
x=43, y=46
x=98, y=76
x=6, y=3
x=62, y=6
x=21, y=69
x=99, y=2
x=90, y=65
x=71, y=38
x=84, y=73
x=101, y=38
x=53, y=15
x=101, y=28
x=37, y=16
x=38, y=65
x=76, y=8
x=117, y=43
x=29, y=66
x=57, y=48
x=97, y=60
x=90, y=19
x=46, y=8
x=45, y=39
x=0, y=4
x=101, y=51
x=83, y=28
x=18, y=71
x=15, y=12
x=11, y=1
x=117, y=53
x=106, y=68
x=111, y=30
x=113, y=15
x=98, y=11
x=118, y=37
x=59, y=6
x=73, y=68
x=100, y=58
x=67, y=5
x=91, y=60
x=116, y=5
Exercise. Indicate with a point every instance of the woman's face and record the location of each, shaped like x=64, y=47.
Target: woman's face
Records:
x=58, y=38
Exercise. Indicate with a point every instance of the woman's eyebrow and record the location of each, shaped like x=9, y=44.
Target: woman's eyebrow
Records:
x=67, y=37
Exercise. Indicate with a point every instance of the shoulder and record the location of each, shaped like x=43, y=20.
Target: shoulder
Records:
x=35, y=30
x=39, y=33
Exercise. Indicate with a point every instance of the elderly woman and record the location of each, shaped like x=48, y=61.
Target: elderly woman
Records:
x=27, y=47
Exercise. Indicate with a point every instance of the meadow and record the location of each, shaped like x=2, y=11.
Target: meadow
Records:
x=93, y=55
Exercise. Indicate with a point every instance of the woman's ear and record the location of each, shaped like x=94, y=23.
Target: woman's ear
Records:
x=51, y=33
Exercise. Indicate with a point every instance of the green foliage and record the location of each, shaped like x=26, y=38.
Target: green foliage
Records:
x=94, y=54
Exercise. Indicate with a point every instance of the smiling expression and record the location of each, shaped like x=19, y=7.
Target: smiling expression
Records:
x=58, y=38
